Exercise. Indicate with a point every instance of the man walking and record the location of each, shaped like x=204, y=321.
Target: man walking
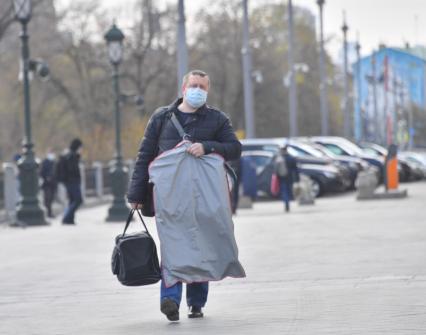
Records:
x=47, y=173
x=285, y=166
x=68, y=173
x=209, y=131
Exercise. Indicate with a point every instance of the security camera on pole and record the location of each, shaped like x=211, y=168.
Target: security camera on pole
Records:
x=28, y=212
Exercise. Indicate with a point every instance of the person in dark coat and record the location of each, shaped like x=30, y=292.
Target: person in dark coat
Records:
x=68, y=172
x=249, y=177
x=288, y=173
x=49, y=185
x=210, y=131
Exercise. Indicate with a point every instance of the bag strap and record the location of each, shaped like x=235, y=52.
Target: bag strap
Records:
x=230, y=171
x=179, y=127
x=182, y=133
x=129, y=219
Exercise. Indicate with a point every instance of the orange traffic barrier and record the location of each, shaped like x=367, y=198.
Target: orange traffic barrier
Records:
x=392, y=174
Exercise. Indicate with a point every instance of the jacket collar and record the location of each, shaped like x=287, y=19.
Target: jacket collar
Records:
x=200, y=111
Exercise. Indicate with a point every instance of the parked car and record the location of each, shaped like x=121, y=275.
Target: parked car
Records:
x=304, y=154
x=407, y=170
x=353, y=164
x=324, y=178
x=343, y=147
x=416, y=158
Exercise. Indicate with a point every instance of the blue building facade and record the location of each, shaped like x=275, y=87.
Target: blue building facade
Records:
x=388, y=85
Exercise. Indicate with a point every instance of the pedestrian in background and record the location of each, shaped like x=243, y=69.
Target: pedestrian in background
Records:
x=68, y=173
x=285, y=166
x=49, y=185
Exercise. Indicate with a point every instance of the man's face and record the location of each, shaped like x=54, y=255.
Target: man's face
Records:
x=195, y=81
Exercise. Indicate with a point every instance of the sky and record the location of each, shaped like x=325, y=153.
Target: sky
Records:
x=377, y=21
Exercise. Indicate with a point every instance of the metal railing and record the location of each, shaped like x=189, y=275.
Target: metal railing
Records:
x=96, y=183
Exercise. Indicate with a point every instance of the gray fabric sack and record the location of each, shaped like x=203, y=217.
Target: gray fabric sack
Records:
x=193, y=216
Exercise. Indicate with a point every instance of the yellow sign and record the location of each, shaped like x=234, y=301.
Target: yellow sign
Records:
x=240, y=134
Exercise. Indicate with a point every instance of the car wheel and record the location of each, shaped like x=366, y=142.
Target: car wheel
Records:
x=315, y=188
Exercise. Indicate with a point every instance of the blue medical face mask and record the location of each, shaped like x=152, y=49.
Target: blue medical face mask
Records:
x=195, y=97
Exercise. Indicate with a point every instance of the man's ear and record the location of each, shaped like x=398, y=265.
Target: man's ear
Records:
x=183, y=89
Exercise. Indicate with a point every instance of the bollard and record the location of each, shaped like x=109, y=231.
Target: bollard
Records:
x=99, y=181
x=83, y=181
x=245, y=202
x=391, y=169
x=366, y=183
x=303, y=191
x=11, y=196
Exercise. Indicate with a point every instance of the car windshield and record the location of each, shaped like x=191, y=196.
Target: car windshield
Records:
x=335, y=149
x=414, y=157
x=260, y=161
x=264, y=147
x=370, y=151
x=351, y=147
x=311, y=151
x=325, y=151
x=296, y=152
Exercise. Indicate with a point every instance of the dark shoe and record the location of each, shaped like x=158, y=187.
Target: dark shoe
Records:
x=170, y=309
x=195, y=312
x=68, y=223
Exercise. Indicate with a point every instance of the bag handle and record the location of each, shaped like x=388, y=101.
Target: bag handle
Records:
x=178, y=127
x=129, y=219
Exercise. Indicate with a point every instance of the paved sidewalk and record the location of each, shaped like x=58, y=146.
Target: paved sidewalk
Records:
x=340, y=267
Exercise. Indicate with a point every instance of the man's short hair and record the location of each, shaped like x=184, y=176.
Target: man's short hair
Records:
x=200, y=73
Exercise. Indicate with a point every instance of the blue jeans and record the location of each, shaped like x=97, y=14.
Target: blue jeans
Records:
x=286, y=188
x=75, y=200
x=196, y=293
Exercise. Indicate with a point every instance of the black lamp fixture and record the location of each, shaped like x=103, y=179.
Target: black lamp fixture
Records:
x=23, y=10
x=114, y=38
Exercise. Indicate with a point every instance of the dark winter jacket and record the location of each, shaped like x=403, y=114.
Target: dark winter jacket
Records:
x=208, y=126
x=69, y=164
x=293, y=171
x=47, y=172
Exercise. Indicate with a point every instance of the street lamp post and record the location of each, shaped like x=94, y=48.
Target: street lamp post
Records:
x=323, y=75
x=247, y=76
x=182, y=49
x=358, y=122
x=346, y=116
x=28, y=212
x=377, y=136
x=293, y=125
x=118, y=172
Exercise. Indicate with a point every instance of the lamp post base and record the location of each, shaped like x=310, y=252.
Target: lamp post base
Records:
x=29, y=212
x=119, y=211
x=30, y=217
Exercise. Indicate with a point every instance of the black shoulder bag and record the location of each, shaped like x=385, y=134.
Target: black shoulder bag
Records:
x=148, y=205
x=134, y=259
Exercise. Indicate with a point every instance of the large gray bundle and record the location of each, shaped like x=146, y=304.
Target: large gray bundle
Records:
x=193, y=215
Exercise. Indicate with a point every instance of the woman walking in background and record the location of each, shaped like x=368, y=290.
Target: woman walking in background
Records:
x=285, y=167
